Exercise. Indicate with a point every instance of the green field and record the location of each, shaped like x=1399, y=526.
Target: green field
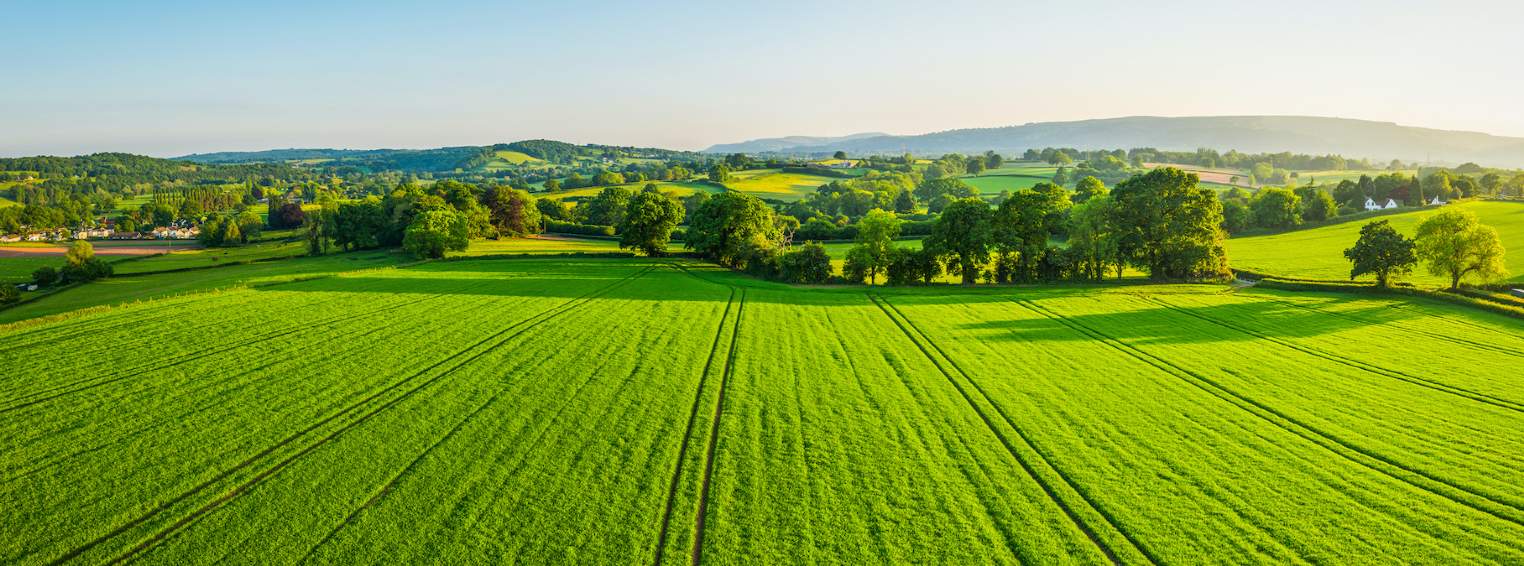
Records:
x=992, y=185
x=1318, y=253
x=545, y=244
x=122, y=289
x=677, y=188
x=193, y=257
x=628, y=411
x=506, y=159
x=776, y=184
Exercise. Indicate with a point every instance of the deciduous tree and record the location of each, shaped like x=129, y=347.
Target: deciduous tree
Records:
x=1455, y=245
x=1381, y=251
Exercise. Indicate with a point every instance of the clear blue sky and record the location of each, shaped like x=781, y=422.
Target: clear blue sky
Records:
x=168, y=78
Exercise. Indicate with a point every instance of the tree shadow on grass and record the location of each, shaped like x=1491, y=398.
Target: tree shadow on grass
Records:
x=1154, y=323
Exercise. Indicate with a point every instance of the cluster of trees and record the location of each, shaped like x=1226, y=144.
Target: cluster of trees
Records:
x=1276, y=207
x=1451, y=244
x=427, y=222
x=231, y=229
x=1257, y=163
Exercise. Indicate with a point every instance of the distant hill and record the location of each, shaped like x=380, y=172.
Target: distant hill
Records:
x=444, y=159
x=1250, y=134
x=766, y=145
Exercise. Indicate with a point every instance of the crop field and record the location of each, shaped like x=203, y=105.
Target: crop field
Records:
x=1318, y=253
x=775, y=184
x=125, y=289
x=636, y=411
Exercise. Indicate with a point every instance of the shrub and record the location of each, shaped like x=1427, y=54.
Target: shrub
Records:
x=45, y=276
x=9, y=294
x=808, y=263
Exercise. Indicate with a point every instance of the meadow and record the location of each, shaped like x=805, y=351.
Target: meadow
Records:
x=776, y=184
x=640, y=411
x=1318, y=253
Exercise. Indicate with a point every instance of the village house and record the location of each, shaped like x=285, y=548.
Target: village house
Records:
x=1371, y=204
x=1437, y=201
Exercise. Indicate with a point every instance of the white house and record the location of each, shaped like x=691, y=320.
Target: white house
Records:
x=1371, y=204
x=1436, y=201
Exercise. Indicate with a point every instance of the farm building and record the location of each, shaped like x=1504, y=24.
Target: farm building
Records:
x=1437, y=201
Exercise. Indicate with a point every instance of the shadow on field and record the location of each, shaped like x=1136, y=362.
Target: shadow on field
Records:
x=1152, y=323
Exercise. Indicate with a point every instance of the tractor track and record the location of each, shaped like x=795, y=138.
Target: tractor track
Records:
x=1090, y=533
x=714, y=436
x=693, y=416
x=1356, y=364
x=508, y=333
x=1435, y=335
x=1446, y=489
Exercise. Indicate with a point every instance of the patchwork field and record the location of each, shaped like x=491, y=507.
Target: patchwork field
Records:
x=632, y=411
x=1318, y=253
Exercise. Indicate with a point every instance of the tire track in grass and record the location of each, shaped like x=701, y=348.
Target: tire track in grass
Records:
x=407, y=470
x=1345, y=449
x=693, y=417
x=88, y=383
x=1435, y=335
x=508, y=333
x=1350, y=362
x=714, y=436
x=905, y=325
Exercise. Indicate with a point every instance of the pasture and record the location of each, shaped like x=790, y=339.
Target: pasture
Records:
x=776, y=184
x=992, y=185
x=634, y=411
x=1318, y=253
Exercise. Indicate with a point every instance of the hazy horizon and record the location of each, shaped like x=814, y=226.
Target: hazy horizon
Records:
x=168, y=78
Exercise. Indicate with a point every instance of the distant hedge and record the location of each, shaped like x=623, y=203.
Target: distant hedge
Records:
x=559, y=227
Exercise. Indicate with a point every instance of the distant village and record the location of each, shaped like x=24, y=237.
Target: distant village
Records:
x=105, y=229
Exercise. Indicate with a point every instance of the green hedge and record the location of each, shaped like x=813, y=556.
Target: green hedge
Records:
x=559, y=227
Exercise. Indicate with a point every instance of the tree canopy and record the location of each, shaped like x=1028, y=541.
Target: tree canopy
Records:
x=1454, y=244
x=1381, y=251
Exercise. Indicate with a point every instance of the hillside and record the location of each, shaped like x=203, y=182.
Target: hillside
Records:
x=1253, y=134
x=443, y=159
x=1318, y=253
x=764, y=145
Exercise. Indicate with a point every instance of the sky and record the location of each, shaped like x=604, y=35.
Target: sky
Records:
x=167, y=78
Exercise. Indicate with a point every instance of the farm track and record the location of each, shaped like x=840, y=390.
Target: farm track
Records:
x=1350, y=362
x=1435, y=335
x=905, y=326
x=360, y=416
x=77, y=386
x=358, y=333
x=1349, y=451
x=693, y=416
x=714, y=436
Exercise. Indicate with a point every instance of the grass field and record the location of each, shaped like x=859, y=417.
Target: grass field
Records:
x=992, y=185
x=208, y=257
x=775, y=184
x=629, y=411
x=505, y=159
x=1318, y=253
x=123, y=288
x=543, y=245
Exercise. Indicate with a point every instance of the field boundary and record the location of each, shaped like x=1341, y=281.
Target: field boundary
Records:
x=1349, y=362
x=894, y=315
x=1464, y=496
x=693, y=415
x=714, y=435
x=515, y=329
